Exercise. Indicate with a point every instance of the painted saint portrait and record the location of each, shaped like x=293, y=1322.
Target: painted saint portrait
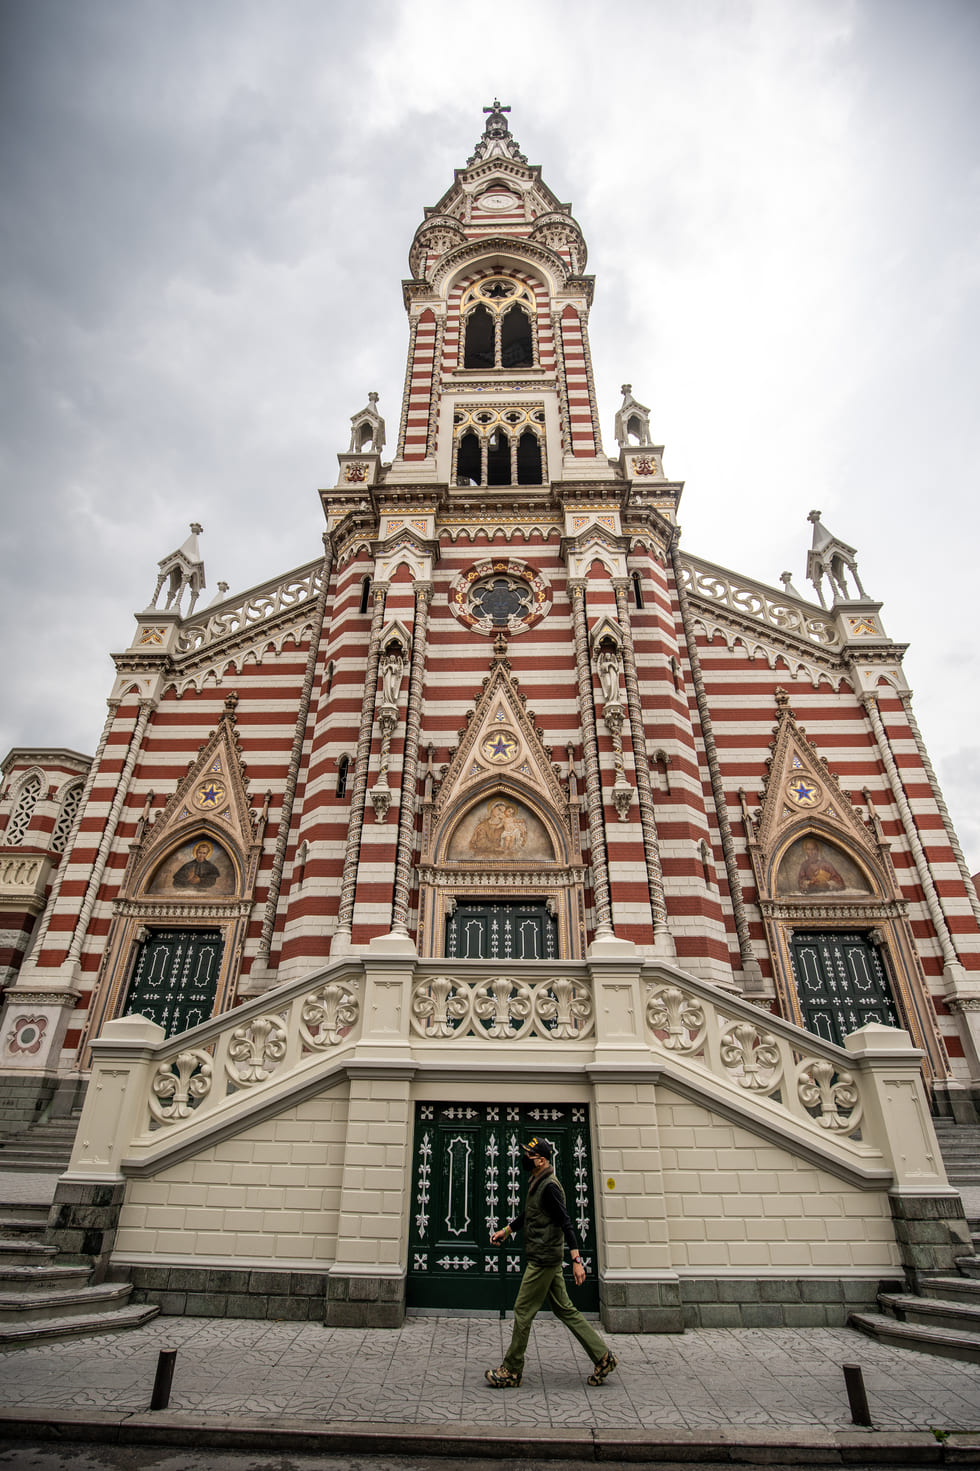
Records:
x=200, y=866
x=501, y=829
x=812, y=868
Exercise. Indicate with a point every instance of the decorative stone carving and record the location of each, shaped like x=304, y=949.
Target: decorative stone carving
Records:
x=824, y=1091
x=256, y=1050
x=178, y=1083
x=328, y=1014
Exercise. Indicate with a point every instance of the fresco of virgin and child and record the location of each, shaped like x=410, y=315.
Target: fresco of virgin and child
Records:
x=813, y=868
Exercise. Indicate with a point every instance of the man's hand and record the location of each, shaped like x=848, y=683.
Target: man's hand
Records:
x=497, y=1237
x=578, y=1271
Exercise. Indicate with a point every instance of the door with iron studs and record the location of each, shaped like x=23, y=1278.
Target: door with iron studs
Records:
x=467, y=1181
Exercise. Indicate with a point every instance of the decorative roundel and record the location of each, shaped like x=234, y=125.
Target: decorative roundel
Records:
x=210, y=795
x=803, y=792
x=500, y=595
x=500, y=748
x=495, y=201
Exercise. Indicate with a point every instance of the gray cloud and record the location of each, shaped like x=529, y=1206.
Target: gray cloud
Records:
x=207, y=216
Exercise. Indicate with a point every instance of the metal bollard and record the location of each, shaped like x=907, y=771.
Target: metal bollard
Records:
x=856, y=1396
x=164, y=1378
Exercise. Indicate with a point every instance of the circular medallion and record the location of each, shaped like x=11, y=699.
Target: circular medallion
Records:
x=500, y=748
x=803, y=792
x=500, y=595
x=496, y=200
x=210, y=795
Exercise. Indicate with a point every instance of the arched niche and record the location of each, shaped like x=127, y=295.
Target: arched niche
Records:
x=198, y=866
x=502, y=852
x=811, y=864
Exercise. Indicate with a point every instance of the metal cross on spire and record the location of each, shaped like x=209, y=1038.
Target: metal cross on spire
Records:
x=497, y=140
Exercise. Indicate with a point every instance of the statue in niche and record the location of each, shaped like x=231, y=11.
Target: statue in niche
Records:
x=392, y=666
x=608, y=667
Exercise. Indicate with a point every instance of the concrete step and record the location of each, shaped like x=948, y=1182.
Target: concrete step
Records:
x=951, y=1289
x=968, y=1266
x=55, y=1166
x=19, y=1251
x=937, y=1312
x=25, y=1277
x=28, y=1332
x=944, y=1342
x=69, y=1302
x=17, y=1218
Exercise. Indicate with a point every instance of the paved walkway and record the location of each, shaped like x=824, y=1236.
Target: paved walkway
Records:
x=430, y=1372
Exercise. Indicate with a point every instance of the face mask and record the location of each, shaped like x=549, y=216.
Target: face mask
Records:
x=527, y=1164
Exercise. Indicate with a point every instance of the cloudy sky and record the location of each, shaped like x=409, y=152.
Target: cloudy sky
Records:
x=207, y=209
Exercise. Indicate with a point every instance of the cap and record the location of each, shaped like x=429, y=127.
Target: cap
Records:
x=540, y=1147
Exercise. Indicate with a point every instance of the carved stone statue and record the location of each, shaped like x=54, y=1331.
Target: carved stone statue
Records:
x=607, y=666
x=392, y=668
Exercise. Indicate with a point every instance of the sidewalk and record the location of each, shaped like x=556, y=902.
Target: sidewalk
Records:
x=421, y=1388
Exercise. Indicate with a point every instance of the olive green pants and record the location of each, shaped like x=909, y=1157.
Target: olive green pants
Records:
x=540, y=1285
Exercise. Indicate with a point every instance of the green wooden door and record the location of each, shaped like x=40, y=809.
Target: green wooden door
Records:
x=467, y=1181
x=841, y=983
x=175, y=978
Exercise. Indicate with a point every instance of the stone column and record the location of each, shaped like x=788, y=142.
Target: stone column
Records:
x=345, y=918
x=410, y=764
x=930, y=1226
x=593, y=786
x=292, y=775
x=663, y=944
x=751, y=969
x=108, y=833
x=366, y=1284
x=639, y=1291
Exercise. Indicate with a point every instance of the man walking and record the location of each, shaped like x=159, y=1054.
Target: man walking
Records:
x=547, y=1227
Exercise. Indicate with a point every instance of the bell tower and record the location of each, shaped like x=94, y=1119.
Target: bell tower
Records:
x=499, y=389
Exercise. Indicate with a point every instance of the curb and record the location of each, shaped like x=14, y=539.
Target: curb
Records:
x=733, y=1447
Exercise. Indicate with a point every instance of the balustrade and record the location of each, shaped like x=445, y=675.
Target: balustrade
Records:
x=693, y=1035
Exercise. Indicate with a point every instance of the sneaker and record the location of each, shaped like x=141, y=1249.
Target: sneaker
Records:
x=503, y=1379
x=603, y=1368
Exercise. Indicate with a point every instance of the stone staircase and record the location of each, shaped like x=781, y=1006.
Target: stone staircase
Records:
x=42, y=1296
x=960, y=1147
x=40, y=1147
x=944, y=1316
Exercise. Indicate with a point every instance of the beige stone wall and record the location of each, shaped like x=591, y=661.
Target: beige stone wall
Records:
x=679, y=1189
x=269, y=1195
x=736, y=1203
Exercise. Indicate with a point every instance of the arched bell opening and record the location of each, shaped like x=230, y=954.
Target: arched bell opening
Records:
x=529, y=459
x=468, y=464
x=480, y=345
x=516, y=339
x=498, y=458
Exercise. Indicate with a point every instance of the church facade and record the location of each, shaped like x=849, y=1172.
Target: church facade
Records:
x=503, y=813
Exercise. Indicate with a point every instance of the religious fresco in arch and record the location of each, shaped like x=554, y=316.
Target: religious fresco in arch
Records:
x=198, y=867
x=501, y=828
x=813, y=868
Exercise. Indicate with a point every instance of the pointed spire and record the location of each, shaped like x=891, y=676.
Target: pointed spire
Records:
x=830, y=557
x=182, y=570
x=367, y=432
x=632, y=420
x=497, y=141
